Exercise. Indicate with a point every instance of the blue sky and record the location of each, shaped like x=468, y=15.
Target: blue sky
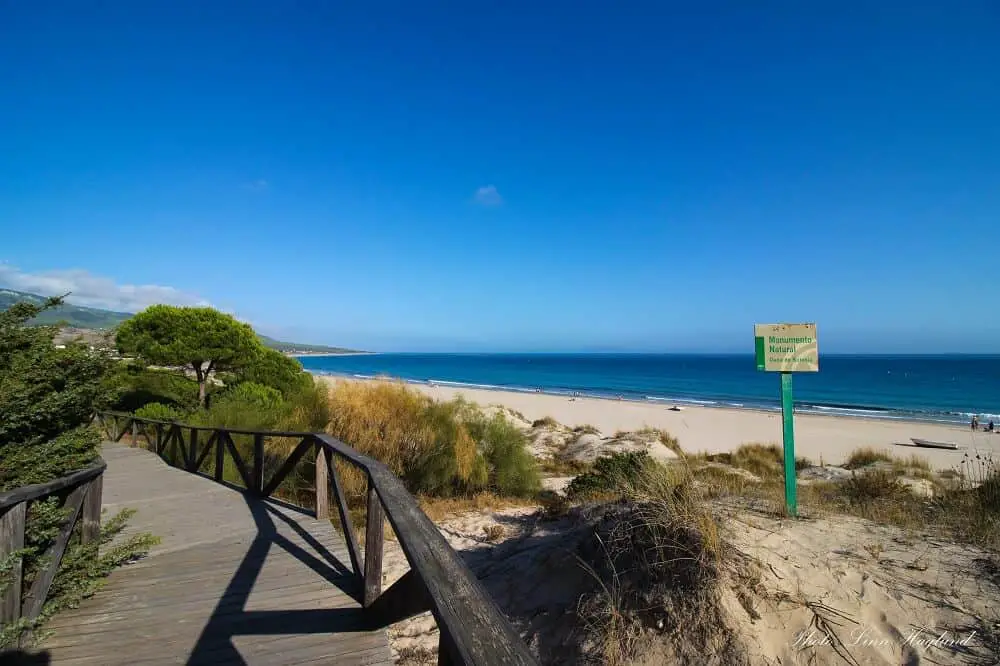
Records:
x=514, y=176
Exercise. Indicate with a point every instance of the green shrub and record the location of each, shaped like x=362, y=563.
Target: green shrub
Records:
x=510, y=467
x=136, y=386
x=613, y=474
x=157, y=411
x=269, y=367
x=246, y=406
x=44, y=391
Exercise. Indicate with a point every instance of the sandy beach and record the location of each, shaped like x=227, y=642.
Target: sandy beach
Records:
x=827, y=438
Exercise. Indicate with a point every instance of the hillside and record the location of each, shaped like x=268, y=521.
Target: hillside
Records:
x=73, y=315
x=89, y=322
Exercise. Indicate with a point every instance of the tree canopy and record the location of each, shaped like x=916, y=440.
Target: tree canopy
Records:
x=47, y=396
x=274, y=369
x=202, y=338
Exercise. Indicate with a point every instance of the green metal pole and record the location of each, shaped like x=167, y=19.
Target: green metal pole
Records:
x=788, y=437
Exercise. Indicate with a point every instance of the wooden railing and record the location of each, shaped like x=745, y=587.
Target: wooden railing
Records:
x=474, y=632
x=81, y=499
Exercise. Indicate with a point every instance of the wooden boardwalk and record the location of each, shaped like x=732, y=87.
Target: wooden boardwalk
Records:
x=236, y=580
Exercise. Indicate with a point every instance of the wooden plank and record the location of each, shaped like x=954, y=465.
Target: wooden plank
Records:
x=12, y=540
x=257, y=481
x=206, y=451
x=231, y=567
x=446, y=650
x=220, y=452
x=238, y=460
x=374, y=535
x=90, y=530
x=40, y=490
x=322, y=485
x=345, y=520
x=191, y=457
x=35, y=599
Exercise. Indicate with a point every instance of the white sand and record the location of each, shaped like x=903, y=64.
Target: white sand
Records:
x=827, y=438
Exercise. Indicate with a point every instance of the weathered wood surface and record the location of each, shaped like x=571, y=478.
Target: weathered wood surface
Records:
x=236, y=580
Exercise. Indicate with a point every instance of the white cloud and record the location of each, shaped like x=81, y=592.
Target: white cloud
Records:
x=487, y=195
x=94, y=291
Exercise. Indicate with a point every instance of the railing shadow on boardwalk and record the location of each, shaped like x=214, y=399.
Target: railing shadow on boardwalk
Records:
x=216, y=644
x=473, y=630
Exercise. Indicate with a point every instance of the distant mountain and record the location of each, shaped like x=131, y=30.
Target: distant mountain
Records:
x=72, y=315
x=79, y=317
x=297, y=348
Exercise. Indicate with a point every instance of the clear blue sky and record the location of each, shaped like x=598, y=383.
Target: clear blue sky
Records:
x=500, y=176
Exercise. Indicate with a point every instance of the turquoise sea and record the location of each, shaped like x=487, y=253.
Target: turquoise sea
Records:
x=931, y=388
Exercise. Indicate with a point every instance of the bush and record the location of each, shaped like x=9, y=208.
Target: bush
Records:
x=611, y=475
x=157, y=411
x=47, y=396
x=246, y=406
x=437, y=448
x=511, y=468
x=269, y=367
x=136, y=386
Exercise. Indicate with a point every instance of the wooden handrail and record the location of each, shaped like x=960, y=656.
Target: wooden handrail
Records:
x=474, y=632
x=82, y=502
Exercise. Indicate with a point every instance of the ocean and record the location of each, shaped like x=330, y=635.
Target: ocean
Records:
x=946, y=389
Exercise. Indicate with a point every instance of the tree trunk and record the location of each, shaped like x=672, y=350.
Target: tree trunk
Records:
x=202, y=378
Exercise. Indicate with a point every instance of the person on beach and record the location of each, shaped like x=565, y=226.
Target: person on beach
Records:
x=975, y=422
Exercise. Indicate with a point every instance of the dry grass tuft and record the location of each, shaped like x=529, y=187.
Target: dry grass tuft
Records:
x=661, y=569
x=866, y=456
x=545, y=422
x=763, y=460
x=586, y=429
x=664, y=438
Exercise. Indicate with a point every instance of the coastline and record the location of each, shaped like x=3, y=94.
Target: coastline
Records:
x=318, y=354
x=715, y=429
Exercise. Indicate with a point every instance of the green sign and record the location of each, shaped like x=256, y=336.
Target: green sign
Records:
x=786, y=347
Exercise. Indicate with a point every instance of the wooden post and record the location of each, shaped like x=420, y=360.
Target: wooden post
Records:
x=90, y=531
x=258, y=464
x=322, y=485
x=158, y=444
x=446, y=656
x=220, y=452
x=12, y=539
x=373, y=547
x=192, y=460
x=134, y=428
